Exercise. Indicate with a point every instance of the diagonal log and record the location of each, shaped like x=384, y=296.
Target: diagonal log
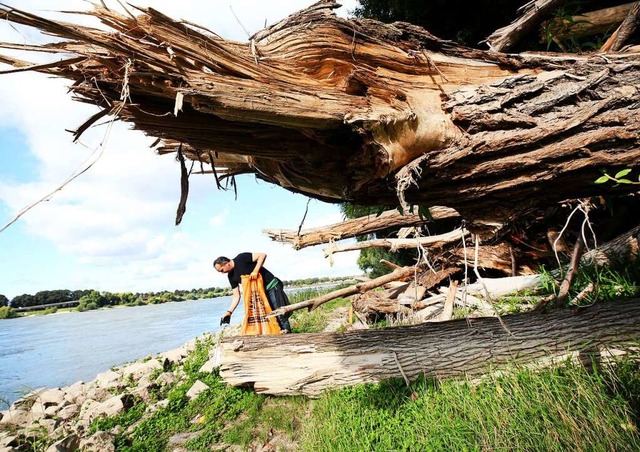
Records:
x=310, y=363
x=400, y=274
x=356, y=227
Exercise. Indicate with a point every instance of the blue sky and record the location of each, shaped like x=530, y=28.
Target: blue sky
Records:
x=113, y=227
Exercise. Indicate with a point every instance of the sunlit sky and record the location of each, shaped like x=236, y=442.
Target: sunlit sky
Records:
x=112, y=229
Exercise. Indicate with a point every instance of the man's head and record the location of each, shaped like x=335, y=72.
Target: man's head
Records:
x=223, y=264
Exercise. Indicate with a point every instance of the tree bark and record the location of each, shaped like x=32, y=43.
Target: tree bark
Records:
x=356, y=110
x=310, y=363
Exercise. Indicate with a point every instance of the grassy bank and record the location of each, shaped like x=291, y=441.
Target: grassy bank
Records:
x=564, y=408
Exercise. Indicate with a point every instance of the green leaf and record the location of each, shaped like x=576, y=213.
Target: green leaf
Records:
x=622, y=173
x=624, y=181
x=424, y=213
x=602, y=179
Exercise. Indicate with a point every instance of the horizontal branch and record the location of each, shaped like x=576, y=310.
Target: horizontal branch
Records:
x=397, y=244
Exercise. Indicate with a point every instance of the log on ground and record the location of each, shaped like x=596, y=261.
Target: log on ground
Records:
x=310, y=363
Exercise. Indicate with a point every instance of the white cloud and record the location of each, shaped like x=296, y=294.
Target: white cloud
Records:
x=113, y=225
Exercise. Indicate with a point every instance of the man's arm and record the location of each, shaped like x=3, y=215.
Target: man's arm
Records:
x=259, y=259
x=235, y=299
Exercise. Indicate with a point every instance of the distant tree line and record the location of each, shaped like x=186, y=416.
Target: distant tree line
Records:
x=92, y=299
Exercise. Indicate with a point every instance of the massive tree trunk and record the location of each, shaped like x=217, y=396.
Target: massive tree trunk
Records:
x=309, y=363
x=356, y=110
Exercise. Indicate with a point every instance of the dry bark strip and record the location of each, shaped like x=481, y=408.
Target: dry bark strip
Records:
x=310, y=363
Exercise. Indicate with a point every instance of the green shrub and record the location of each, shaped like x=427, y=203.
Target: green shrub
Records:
x=7, y=312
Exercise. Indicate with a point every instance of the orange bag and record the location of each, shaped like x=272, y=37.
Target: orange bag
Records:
x=256, y=308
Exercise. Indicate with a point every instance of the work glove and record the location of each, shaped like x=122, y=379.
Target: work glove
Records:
x=226, y=318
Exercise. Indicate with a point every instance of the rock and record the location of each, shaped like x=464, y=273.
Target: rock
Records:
x=37, y=410
x=109, y=408
x=29, y=398
x=48, y=424
x=145, y=392
x=166, y=378
x=15, y=416
x=68, y=412
x=51, y=397
x=97, y=393
x=197, y=388
x=98, y=442
x=76, y=393
x=7, y=441
x=175, y=356
x=69, y=444
x=210, y=365
x=109, y=380
x=138, y=370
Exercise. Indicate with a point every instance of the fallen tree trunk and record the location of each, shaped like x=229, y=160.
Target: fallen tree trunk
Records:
x=310, y=363
x=356, y=110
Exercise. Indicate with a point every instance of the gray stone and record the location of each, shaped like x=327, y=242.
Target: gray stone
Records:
x=109, y=379
x=138, y=370
x=76, y=393
x=69, y=444
x=7, y=440
x=97, y=393
x=197, y=388
x=210, y=365
x=51, y=397
x=16, y=416
x=175, y=356
x=68, y=412
x=98, y=442
x=166, y=378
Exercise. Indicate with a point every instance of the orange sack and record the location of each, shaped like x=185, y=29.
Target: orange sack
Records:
x=256, y=308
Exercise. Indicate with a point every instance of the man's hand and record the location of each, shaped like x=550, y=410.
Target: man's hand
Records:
x=226, y=318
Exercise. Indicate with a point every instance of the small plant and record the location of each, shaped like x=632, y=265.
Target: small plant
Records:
x=619, y=178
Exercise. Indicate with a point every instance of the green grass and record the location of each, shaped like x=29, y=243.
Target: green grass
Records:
x=316, y=321
x=566, y=408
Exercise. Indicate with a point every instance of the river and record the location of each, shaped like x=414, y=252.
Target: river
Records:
x=59, y=349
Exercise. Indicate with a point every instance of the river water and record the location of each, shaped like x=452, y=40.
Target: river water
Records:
x=58, y=350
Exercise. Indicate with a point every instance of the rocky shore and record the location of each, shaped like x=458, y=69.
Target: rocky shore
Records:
x=59, y=419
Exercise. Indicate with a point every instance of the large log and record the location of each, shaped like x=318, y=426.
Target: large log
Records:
x=356, y=110
x=310, y=363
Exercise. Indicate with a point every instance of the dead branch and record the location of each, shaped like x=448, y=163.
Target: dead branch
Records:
x=590, y=23
x=355, y=227
x=399, y=274
x=626, y=29
x=433, y=241
x=533, y=13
